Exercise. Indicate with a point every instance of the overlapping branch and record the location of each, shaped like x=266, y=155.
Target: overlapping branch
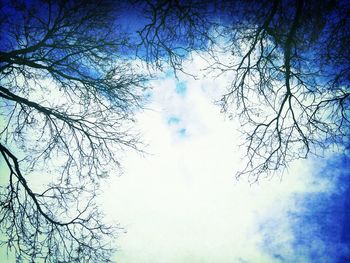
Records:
x=67, y=98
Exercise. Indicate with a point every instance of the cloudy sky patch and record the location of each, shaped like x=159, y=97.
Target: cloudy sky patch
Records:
x=182, y=203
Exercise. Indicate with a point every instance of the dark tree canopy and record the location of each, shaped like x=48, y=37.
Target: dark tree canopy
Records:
x=67, y=96
x=288, y=62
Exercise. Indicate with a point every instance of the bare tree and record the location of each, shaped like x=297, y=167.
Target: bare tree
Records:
x=171, y=30
x=289, y=65
x=68, y=93
x=67, y=98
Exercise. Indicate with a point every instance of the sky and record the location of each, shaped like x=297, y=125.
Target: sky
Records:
x=181, y=202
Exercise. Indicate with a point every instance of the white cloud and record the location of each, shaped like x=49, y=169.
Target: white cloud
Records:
x=181, y=203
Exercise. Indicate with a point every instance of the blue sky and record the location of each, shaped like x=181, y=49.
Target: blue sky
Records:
x=182, y=203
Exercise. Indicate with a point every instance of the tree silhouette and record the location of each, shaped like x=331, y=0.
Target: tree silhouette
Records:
x=68, y=95
x=288, y=62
